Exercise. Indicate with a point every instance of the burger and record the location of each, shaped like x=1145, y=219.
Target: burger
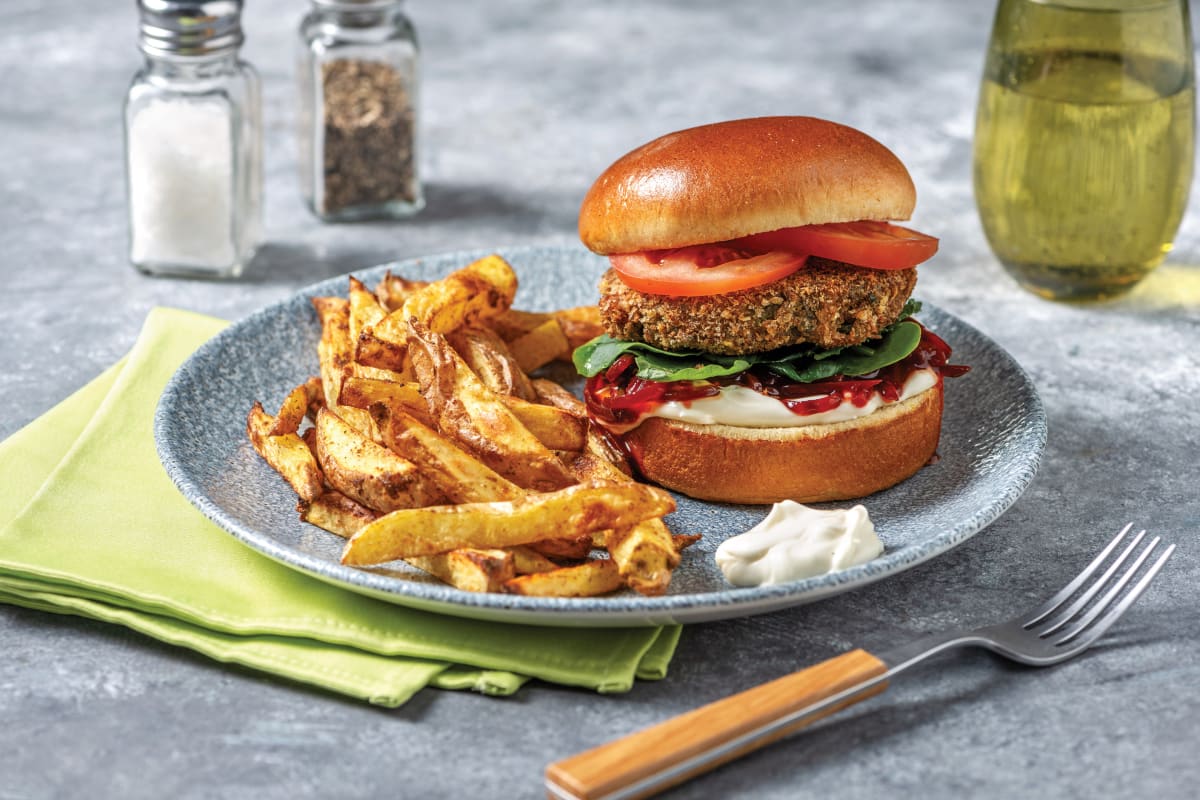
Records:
x=759, y=342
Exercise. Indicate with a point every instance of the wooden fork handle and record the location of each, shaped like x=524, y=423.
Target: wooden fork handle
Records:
x=671, y=752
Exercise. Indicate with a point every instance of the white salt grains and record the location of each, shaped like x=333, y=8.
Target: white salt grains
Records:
x=181, y=184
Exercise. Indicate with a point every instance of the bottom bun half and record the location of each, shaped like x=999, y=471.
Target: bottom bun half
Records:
x=808, y=464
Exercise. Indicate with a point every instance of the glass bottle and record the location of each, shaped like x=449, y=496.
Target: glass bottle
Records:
x=193, y=143
x=1084, y=141
x=358, y=110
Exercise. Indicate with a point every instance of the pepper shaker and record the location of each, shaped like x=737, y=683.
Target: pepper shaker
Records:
x=193, y=142
x=358, y=110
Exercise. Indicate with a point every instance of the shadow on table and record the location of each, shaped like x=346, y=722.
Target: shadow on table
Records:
x=463, y=210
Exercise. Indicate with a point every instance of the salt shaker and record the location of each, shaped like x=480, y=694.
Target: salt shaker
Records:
x=193, y=142
x=358, y=110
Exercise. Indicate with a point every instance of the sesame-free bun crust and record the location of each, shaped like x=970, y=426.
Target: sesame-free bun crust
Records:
x=731, y=179
x=808, y=464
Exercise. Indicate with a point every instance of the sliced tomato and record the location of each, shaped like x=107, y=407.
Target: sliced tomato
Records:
x=702, y=270
x=878, y=245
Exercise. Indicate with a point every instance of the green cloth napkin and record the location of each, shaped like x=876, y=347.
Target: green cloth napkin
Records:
x=90, y=524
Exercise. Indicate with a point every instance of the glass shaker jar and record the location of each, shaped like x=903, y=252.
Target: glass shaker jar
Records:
x=358, y=110
x=193, y=142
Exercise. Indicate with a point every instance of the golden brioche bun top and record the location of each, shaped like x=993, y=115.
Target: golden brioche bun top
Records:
x=735, y=178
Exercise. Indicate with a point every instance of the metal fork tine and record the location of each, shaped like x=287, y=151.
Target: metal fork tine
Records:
x=1061, y=619
x=1105, y=622
x=1082, y=623
x=1048, y=607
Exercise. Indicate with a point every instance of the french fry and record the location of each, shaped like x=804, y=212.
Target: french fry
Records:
x=336, y=513
x=588, y=579
x=580, y=325
x=568, y=512
x=489, y=358
x=470, y=569
x=540, y=346
x=460, y=476
x=286, y=453
x=553, y=427
x=368, y=472
x=477, y=418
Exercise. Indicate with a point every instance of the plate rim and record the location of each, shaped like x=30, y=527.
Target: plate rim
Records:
x=621, y=611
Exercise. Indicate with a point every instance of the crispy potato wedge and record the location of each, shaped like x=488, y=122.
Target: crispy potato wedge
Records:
x=526, y=560
x=469, y=568
x=464, y=298
x=364, y=392
x=489, y=358
x=567, y=512
x=540, y=346
x=336, y=513
x=424, y=399
x=393, y=291
x=580, y=325
x=477, y=292
x=368, y=472
x=296, y=406
x=459, y=475
x=555, y=394
x=553, y=427
x=371, y=351
x=365, y=309
x=335, y=353
x=576, y=548
x=645, y=555
x=286, y=453
x=514, y=323
x=599, y=444
x=478, y=419
x=359, y=370
x=588, y=579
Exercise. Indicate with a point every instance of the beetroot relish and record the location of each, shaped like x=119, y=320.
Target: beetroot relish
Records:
x=619, y=397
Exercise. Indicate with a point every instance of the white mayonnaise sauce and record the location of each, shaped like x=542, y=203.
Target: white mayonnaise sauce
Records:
x=746, y=408
x=796, y=542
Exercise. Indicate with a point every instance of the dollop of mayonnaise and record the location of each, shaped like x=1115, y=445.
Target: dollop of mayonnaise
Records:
x=796, y=542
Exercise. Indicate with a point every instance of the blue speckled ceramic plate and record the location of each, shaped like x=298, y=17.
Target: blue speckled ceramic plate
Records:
x=993, y=434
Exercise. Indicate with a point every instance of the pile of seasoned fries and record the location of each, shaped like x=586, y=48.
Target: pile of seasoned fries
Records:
x=431, y=443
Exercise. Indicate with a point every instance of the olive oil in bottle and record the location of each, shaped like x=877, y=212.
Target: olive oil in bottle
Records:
x=1083, y=155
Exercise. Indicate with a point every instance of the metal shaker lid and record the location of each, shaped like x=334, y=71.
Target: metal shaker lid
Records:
x=189, y=27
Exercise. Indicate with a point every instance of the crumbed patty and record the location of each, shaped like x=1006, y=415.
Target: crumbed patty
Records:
x=827, y=303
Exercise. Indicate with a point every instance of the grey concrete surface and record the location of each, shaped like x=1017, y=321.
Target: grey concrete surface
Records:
x=523, y=104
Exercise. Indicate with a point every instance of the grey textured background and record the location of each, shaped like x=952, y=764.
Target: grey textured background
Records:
x=523, y=105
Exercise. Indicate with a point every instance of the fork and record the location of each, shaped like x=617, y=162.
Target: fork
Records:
x=671, y=752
